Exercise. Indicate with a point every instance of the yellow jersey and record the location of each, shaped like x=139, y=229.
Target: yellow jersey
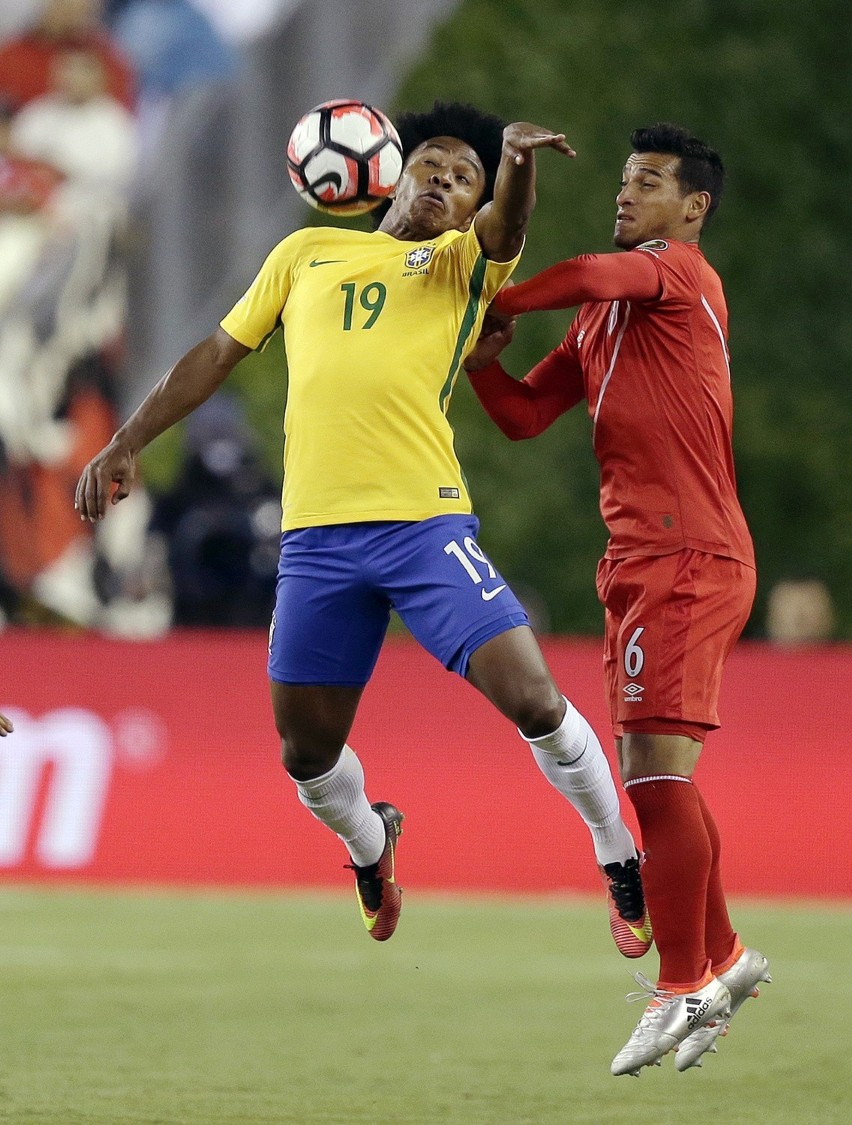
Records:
x=375, y=331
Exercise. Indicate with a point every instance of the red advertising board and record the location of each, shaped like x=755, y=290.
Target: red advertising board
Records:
x=158, y=762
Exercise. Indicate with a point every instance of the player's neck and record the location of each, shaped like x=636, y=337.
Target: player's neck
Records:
x=406, y=230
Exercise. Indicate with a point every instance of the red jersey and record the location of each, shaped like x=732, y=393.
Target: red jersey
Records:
x=648, y=351
x=26, y=62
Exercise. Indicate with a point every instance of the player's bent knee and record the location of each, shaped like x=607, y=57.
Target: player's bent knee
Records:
x=303, y=763
x=538, y=721
x=535, y=707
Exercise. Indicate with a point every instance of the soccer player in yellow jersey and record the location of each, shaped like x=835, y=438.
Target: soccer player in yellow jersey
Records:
x=376, y=513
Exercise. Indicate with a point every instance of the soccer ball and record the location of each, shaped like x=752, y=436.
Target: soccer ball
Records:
x=344, y=157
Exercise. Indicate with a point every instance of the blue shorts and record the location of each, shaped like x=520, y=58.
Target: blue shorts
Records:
x=337, y=585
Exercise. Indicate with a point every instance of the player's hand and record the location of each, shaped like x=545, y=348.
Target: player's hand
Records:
x=113, y=465
x=521, y=138
x=6, y=726
x=497, y=332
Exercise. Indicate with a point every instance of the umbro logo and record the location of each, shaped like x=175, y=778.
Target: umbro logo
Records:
x=633, y=692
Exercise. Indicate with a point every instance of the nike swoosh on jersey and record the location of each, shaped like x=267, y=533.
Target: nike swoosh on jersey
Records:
x=487, y=595
x=325, y=261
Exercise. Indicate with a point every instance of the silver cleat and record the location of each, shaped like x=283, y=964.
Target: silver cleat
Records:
x=750, y=969
x=667, y=1021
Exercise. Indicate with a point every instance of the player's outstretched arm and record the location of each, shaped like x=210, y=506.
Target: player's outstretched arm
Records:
x=591, y=277
x=191, y=381
x=502, y=224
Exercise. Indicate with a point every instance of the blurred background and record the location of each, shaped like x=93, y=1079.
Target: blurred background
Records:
x=142, y=182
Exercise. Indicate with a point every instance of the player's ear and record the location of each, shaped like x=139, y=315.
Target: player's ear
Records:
x=699, y=205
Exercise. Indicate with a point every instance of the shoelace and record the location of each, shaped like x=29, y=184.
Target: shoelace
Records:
x=649, y=990
x=654, y=1010
x=627, y=890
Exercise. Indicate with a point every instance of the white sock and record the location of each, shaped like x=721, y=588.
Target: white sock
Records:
x=337, y=798
x=573, y=761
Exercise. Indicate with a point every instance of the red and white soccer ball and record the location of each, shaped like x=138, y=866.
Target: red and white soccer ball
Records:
x=344, y=157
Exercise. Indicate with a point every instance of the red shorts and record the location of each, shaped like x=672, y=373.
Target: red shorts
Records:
x=671, y=621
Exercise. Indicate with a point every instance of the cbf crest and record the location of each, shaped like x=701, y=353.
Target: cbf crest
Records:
x=420, y=258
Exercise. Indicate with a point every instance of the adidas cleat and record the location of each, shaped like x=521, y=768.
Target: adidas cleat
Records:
x=629, y=921
x=750, y=969
x=667, y=1021
x=378, y=893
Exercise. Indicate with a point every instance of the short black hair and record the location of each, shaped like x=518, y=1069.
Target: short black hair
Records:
x=482, y=131
x=701, y=168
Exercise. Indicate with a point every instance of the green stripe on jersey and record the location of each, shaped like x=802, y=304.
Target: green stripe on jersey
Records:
x=474, y=288
x=262, y=345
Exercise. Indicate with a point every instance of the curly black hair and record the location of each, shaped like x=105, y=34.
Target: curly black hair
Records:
x=482, y=131
x=701, y=168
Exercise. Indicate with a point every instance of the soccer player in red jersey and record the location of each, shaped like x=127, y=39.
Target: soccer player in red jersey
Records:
x=648, y=352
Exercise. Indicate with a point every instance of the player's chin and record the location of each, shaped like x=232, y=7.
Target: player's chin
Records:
x=432, y=220
x=624, y=239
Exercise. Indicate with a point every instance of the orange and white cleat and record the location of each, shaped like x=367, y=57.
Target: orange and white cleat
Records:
x=378, y=893
x=629, y=921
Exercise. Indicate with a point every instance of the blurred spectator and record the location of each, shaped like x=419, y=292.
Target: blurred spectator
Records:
x=27, y=188
x=800, y=611
x=80, y=128
x=174, y=49
x=73, y=304
x=26, y=59
x=61, y=327
x=53, y=567
x=46, y=554
x=222, y=521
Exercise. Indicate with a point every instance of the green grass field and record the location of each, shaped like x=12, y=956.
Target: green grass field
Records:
x=212, y=1008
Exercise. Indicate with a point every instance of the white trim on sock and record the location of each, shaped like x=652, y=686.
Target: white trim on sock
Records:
x=658, y=777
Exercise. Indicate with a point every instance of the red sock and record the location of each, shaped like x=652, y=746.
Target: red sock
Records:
x=720, y=941
x=678, y=858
